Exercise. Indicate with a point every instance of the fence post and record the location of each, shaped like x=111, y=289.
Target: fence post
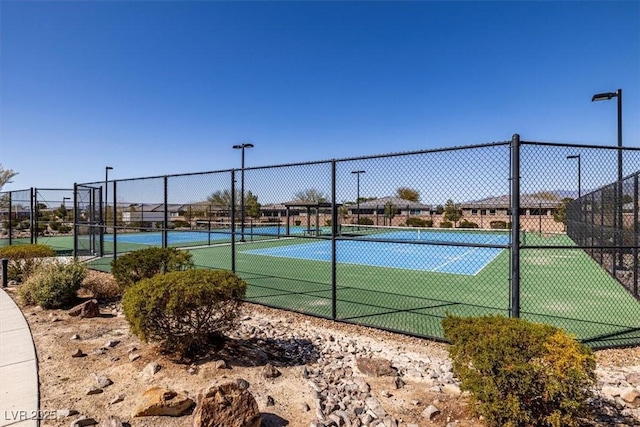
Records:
x=5, y=267
x=334, y=233
x=75, y=222
x=233, y=220
x=10, y=222
x=515, y=226
x=636, y=225
x=115, y=229
x=34, y=220
x=165, y=219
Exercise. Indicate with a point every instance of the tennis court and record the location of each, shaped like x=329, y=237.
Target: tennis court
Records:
x=409, y=283
x=422, y=257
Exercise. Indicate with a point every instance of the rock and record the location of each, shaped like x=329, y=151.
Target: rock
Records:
x=103, y=381
x=631, y=396
x=78, y=353
x=64, y=413
x=399, y=383
x=85, y=310
x=228, y=405
x=430, y=412
x=111, y=421
x=112, y=343
x=451, y=389
x=633, y=378
x=151, y=369
x=161, y=401
x=75, y=337
x=270, y=401
x=133, y=357
x=375, y=367
x=270, y=371
x=220, y=364
x=94, y=390
x=242, y=384
x=84, y=421
x=119, y=398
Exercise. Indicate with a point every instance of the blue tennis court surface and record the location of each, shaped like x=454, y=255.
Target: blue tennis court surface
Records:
x=464, y=260
x=186, y=237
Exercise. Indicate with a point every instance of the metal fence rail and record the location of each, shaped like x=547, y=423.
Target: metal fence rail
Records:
x=398, y=241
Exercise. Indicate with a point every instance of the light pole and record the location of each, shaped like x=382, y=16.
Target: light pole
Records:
x=63, y=200
x=357, y=173
x=577, y=156
x=606, y=96
x=241, y=147
x=106, y=194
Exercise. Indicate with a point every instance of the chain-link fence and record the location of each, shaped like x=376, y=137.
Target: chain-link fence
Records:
x=398, y=241
x=605, y=223
x=38, y=215
x=544, y=231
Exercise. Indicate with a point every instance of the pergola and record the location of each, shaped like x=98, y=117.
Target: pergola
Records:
x=308, y=205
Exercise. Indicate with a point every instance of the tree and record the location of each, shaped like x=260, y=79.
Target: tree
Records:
x=407, y=193
x=452, y=212
x=251, y=205
x=390, y=211
x=223, y=199
x=310, y=195
x=439, y=210
x=560, y=214
x=5, y=176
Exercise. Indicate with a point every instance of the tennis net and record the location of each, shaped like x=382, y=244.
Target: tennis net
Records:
x=426, y=234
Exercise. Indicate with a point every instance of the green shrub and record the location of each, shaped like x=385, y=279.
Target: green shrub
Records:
x=417, y=222
x=365, y=221
x=446, y=224
x=519, y=373
x=64, y=228
x=184, y=310
x=498, y=225
x=24, y=259
x=146, y=263
x=53, y=285
x=467, y=224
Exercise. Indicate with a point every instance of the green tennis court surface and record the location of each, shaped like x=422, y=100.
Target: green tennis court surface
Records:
x=563, y=287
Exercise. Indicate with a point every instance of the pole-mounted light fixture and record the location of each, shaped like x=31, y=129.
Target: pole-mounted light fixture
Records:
x=242, y=215
x=605, y=96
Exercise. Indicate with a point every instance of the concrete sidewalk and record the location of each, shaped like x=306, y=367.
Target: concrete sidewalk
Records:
x=19, y=397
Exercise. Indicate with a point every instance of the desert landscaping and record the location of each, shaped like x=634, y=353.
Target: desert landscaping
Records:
x=277, y=368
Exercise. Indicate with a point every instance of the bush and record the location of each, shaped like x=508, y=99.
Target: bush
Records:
x=446, y=224
x=520, y=373
x=146, y=263
x=498, y=225
x=417, y=222
x=184, y=310
x=53, y=285
x=365, y=221
x=24, y=259
x=101, y=285
x=467, y=224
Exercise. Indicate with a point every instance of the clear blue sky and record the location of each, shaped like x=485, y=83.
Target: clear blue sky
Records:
x=159, y=87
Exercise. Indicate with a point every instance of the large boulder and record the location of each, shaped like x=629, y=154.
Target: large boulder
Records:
x=228, y=405
x=87, y=309
x=375, y=367
x=162, y=401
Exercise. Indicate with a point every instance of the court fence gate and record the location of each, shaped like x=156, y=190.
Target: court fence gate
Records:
x=399, y=241
x=37, y=215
